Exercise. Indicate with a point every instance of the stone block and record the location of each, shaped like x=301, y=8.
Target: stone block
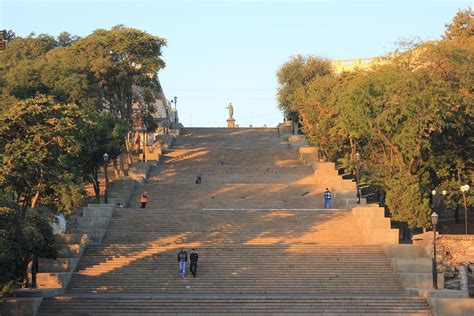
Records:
x=405, y=251
x=376, y=222
x=97, y=212
x=167, y=141
x=93, y=222
x=139, y=171
x=297, y=141
x=58, y=265
x=175, y=132
x=412, y=265
x=15, y=306
x=452, y=306
x=381, y=235
x=95, y=235
x=420, y=280
x=308, y=154
x=68, y=250
x=444, y=293
x=53, y=280
x=70, y=238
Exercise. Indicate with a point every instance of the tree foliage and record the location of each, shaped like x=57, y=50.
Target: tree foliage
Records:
x=462, y=25
x=22, y=240
x=64, y=102
x=410, y=120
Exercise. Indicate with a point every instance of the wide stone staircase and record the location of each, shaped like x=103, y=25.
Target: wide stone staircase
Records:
x=265, y=245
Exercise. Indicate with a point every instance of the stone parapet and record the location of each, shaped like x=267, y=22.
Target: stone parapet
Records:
x=413, y=265
x=296, y=141
x=139, y=171
x=308, y=154
x=374, y=225
x=120, y=192
x=94, y=221
x=443, y=306
x=18, y=306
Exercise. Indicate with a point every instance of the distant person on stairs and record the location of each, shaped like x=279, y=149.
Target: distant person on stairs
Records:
x=182, y=259
x=193, y=257
x=327, y=199
x=143, y=199
x=198, y=178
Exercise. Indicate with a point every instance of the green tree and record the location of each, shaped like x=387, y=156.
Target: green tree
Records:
x=105, y=135
x=21, y=241
x=462, y=25
x=39, y=138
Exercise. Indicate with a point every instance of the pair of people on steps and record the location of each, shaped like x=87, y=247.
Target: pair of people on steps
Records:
x=183, y=258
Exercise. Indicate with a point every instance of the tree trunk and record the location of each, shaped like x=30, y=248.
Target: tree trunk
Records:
x=456, y=214
x=123, y=165
x=35, y=198
x=96, y=184
x=116, y=169
x=128, y=157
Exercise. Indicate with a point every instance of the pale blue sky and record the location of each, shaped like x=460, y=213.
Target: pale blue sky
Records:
x=221, y=51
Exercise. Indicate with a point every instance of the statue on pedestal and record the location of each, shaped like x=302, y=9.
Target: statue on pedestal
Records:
x=230, y=120
x=230, y=108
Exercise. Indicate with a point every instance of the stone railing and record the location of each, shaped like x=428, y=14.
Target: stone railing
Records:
x=357, y=63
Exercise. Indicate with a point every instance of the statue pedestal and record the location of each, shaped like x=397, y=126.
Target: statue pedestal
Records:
x=230, y=123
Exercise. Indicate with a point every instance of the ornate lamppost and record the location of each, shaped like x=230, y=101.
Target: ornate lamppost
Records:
x=144, y=130
x=106, y=194
x=464, y=190
x=175, y=101
x=434, y=221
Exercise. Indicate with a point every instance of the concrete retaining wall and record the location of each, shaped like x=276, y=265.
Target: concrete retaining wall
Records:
x=20, y=306
x=94, y=221
x=296, y=141
x=139, y=171
x=451, y=306
x=413, y=265
x=374, y=225
x=120, y=192
x=308, y=154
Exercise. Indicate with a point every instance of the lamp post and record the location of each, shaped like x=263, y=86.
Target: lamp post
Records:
x=144, y=130
x=175, y=101
x=434, y=221
x=357, y=155
x=106, y=193
x=464, y=189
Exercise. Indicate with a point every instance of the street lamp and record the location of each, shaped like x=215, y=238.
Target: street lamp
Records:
x=434, y=221
x=175, y=101
x=106, y=194
x=464, y=189
x=144, y=130
x=357, y=155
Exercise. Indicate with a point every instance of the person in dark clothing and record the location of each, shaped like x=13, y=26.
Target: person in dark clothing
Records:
x=182, y=259
x=198, y=178
x=193, y=257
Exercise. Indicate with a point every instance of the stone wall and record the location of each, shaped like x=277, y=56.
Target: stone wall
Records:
x=460, y=247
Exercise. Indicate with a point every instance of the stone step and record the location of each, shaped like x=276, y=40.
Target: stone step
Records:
x=70, y=238
x=231, y=304
x=58, y=265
